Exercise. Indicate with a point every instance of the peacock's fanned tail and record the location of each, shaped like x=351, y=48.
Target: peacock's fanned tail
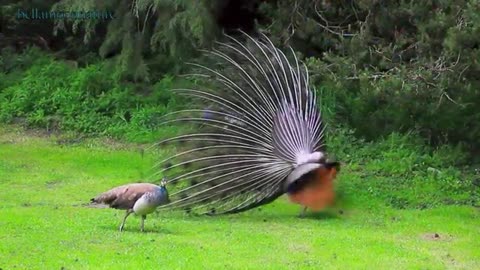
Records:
x=256, y=123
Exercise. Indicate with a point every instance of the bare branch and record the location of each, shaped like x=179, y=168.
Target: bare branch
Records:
x=329, y=28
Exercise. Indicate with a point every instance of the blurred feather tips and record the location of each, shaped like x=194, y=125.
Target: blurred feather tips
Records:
x=252, y=126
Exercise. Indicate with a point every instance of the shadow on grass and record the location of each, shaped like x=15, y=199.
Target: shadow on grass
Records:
x=253, y=216
x=320, y=215
x=153, y=229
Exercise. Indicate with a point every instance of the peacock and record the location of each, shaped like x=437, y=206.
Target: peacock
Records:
x=258, y=134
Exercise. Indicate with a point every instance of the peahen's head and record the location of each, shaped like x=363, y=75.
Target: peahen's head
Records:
x=163, y=183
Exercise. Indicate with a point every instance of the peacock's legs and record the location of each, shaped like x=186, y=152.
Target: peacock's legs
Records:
x=302, y=214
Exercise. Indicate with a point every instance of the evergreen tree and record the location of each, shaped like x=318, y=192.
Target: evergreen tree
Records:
x=144, y=32
x=391, y=65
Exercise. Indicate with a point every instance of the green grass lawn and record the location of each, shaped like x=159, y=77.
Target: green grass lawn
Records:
x=44, y=223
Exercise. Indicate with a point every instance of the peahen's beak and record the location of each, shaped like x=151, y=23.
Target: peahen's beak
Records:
x=163, y=183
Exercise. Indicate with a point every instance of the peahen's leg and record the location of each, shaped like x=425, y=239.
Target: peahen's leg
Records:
x=142, y=223
x=129, y=211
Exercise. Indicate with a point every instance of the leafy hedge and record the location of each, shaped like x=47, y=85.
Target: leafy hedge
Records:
x=55, y=95
x=391, y=66
x=400, y=171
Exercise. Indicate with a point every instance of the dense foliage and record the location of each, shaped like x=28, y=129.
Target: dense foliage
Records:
x=381, y=66
x=58, y=96
x=392, y=65
x=400, y=171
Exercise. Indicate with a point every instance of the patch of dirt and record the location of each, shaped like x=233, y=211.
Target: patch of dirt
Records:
x=12, y=134
x=95, y=205
x=436, y=237
x=52, y=184
x=7, y=142
x=299, y=248
x=28, y=204
x=42, y=133
x=69, y=141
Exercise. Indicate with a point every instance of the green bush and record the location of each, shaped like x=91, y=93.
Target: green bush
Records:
x=402, y=172
x=391, y=66
x=54, y=95
x=13, y=65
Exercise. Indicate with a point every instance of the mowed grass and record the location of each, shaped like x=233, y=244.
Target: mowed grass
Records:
x=45, y=223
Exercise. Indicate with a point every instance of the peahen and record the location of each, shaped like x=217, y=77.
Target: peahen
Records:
x=139, y=198
x=259, y=135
